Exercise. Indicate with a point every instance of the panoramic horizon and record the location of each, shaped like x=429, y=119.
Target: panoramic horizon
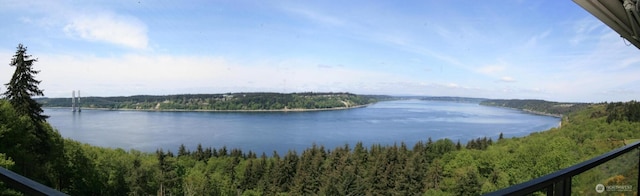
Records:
x=396, y=96
x=548, y=50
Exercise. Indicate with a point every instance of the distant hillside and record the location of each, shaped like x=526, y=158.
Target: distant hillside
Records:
x=455, y=99
x=537, y=106
x=443, y=98
x=222, y=102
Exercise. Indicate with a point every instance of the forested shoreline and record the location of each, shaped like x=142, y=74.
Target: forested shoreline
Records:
x=440, y=167
x=310, y=101
x=541, y=107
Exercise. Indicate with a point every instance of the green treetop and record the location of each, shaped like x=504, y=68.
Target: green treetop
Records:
x=23, y=85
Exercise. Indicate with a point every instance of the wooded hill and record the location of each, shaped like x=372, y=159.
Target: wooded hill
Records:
x=229, y=101
x=454, y=99
x=537, y=106
x=441, y=167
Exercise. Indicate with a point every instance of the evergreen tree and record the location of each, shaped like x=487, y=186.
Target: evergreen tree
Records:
x=182, y=151
x=413, y=175
x=199, y=153
x=37, y=138
x=434, y=175
x=309, y=170
x=23, y=85
x=168, y=177
x=250, y=177
x=208, y=153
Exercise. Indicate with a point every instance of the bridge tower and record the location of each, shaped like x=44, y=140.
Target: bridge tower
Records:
x=79, y=110
x=73, y=101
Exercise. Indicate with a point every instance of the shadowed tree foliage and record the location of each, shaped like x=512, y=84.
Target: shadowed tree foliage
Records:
x=537, y=106
x=25, y=137
x=23, y=85
x=618, y=111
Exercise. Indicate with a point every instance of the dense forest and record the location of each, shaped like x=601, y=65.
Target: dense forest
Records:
x=441, y=167
x=629, y=111
x=537, y=106
x=223, y=102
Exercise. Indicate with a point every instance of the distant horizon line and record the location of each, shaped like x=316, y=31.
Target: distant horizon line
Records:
x=323, y=92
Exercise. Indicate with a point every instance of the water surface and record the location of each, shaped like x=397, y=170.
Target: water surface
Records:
x=386, y=122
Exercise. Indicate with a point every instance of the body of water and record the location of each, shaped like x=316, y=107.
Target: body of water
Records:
x=386, y=122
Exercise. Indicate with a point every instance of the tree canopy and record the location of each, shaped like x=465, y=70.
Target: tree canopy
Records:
x=23, y=86
x=223, y=102
x=537, y=106
x=432, y=167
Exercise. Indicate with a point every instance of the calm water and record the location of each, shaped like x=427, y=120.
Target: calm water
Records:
x=385, y=123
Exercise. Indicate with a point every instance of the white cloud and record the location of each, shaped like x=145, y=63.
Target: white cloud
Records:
x=110, y=28
x=452, y=85
x=507, y=79
x=626, y=62
x=584, y=28
x=170, y=74
x=325, y=66
x=83, y=21
x=533, y=41
x=167, y=74
x=621, y=91
x=595, y=72
x=491, y=69
x=574, y=61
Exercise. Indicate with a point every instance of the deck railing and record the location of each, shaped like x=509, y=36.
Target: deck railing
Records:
x=24, y=184
x=615, y=172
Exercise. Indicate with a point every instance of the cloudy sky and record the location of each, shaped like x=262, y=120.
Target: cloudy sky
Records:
x=545, y=49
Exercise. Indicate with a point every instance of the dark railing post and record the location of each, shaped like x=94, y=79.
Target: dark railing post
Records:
x=550, y=190
x=563, y=187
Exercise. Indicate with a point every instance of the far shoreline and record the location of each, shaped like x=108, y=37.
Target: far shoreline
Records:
x=223, y=111
x=529, y=111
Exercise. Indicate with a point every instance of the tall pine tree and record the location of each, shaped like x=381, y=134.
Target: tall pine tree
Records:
x=42, y=145
x=23, y=85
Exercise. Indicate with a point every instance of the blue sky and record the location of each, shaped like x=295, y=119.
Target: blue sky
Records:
x=552, y=50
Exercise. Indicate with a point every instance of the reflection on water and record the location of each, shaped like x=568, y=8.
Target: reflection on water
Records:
x=386, y=122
